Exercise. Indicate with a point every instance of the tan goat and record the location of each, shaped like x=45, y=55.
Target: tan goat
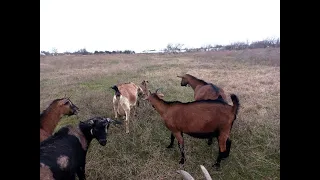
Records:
x=126, y=99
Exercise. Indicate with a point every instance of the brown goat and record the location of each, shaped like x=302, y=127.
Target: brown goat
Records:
x=50, y=117
x=202, y=90
x=125, y=100
x=199, y=119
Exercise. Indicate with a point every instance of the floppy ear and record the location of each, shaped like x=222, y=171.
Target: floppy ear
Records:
x=63, y=102
x=91, y=122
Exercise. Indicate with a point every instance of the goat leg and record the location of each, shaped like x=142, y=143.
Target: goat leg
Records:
x=210, y=141
x=81, y=173
x=179, y=137
x=172, y=140
x=224, y=144
x=228, y=144
x=181, y=147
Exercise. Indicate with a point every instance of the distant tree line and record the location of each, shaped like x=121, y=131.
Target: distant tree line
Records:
x=178, y=48
x=85, y=52
x=269, y=42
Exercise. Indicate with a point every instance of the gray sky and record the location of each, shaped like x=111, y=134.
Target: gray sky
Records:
x=70, y=25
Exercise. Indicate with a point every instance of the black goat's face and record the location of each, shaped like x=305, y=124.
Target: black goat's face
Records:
x=99, y=128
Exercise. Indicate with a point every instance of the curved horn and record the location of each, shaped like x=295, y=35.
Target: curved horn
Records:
x=113, y=121
x=157, y=90
x=185, y=175
x=206, y=173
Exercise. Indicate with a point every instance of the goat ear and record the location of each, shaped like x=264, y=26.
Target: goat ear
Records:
x=63, y=102
x=91, y=122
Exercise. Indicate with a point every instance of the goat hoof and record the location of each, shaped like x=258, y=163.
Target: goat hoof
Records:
x=170, y=146
x=181, y=161
x=216, y=167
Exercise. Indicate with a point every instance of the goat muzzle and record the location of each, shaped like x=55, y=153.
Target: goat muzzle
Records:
x=102, y=142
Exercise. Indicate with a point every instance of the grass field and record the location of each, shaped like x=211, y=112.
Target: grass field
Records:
x=253, y=75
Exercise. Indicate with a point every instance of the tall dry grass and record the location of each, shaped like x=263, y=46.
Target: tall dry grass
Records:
x=253, y=75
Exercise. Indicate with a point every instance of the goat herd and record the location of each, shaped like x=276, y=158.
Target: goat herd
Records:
x=63, y=153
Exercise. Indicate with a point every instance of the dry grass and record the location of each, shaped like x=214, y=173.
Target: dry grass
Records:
x=254, y=75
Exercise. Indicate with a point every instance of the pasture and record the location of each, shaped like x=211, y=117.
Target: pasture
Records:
x=253, y=75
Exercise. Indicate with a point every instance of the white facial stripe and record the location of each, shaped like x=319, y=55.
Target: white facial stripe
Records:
x=91, y=132
x=106, y=129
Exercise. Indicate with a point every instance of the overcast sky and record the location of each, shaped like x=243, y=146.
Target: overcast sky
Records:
x=70, y=25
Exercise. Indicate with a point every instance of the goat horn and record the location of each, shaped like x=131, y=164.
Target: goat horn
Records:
x=113, y=121
x=185, y=175
x=157, y=90
x=205, y=172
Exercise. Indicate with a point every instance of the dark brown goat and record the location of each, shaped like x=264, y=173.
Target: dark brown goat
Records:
x=50, y=117
x=202, y=90
x=199, y=119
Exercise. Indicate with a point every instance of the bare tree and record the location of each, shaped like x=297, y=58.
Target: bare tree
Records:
x=173, y=48
x=54, y=51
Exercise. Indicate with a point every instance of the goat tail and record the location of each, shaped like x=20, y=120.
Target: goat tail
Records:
x=117, y=92
x=236, y=104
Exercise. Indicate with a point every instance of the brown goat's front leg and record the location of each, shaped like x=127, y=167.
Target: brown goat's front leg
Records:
x=171, y=142
x=224, y=149
x=179, y=137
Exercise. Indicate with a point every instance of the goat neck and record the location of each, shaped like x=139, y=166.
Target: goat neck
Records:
x=194, y=82
x=84, y=130
x=158, y=104
x=50, y=119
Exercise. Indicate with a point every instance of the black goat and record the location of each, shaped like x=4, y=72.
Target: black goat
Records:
x=64, y=154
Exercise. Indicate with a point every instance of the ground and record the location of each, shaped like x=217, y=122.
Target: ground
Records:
x=253, y=75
